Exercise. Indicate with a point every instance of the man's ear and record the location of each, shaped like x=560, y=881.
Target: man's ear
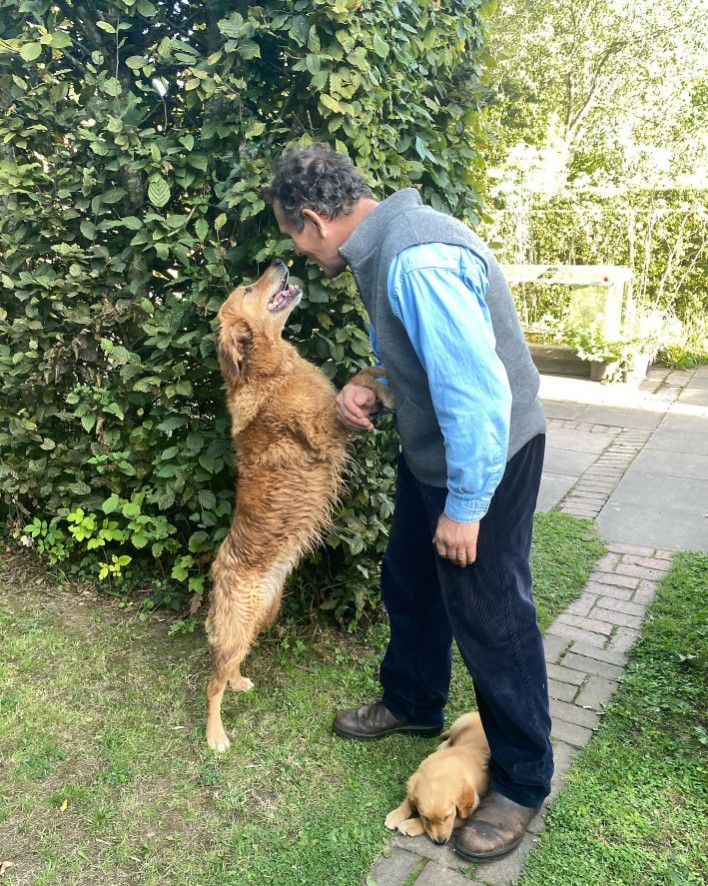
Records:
x=319, y=221
x=233, y=349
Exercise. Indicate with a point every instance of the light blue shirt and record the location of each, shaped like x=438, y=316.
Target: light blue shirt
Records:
x=438, y=292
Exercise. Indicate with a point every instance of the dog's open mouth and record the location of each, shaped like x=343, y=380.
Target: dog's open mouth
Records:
x=288, y=295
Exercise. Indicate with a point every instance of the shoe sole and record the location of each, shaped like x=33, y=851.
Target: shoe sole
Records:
x=418, y=731
x=480, y=858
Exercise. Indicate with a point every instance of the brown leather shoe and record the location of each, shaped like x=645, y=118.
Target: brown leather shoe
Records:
x=375, y=721
x=494, y=829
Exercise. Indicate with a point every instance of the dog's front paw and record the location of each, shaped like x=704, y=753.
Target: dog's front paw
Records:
x=411, y=827
x=393, y=819
x=241, y=684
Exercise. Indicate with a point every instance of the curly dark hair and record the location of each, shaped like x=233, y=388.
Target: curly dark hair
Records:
x=317, y=178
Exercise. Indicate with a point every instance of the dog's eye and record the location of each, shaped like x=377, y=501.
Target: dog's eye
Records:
x=248, y=289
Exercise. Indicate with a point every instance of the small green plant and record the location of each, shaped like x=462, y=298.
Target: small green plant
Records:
x=593, y=344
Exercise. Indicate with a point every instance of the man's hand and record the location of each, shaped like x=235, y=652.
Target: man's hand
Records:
x=354, y=404
x=456, y=542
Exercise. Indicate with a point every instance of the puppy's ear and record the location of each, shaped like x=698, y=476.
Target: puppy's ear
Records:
x=467, y=801
x=233, y=348
x=411, y=790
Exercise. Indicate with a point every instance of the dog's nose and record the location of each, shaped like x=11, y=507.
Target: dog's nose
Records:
x=440, y=842
x=278, y=263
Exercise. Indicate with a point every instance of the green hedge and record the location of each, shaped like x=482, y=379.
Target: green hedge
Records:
x=135, y=142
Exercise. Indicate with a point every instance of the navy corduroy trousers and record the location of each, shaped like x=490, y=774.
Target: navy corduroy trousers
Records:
x=488, y=608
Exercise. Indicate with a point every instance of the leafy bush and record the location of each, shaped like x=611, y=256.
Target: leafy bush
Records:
x=135, y=142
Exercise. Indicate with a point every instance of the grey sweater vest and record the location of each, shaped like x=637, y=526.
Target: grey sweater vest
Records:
x=395, y=224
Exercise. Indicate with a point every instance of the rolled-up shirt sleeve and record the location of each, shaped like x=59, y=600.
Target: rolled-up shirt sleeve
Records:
x=439, y=293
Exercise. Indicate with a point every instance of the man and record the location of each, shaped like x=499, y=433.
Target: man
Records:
x=472, y=438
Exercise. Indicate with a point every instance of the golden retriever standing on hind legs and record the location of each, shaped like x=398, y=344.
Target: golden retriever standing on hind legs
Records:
x=290, y=448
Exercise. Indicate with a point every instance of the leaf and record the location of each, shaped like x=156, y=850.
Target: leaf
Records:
x=207, y=499
x=200, y=161
x=88, y=421
x=64, y=805
x=111, y=504
x=88, y=229
x=331, y=103
x=313, y=63
x=60, y=40
x=249, y=49
x=106, y=26
x=131, y=222
x=199, y=541
x=113, y=195
x=30, y=51
x=158, y=191
x=131, y=510
x=235, y=26
x=146, y=9
x=381, y=48
x=172, y=423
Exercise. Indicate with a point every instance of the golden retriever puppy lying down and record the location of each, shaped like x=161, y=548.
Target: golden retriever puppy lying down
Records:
x=290, y=449
x=448, y=785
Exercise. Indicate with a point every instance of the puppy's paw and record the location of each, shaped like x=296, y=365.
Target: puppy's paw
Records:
x=411, y=827
x=394, y=818
x=241, y=684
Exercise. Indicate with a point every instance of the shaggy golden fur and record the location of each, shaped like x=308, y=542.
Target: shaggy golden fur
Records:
x=290, y=448
x=448, y=784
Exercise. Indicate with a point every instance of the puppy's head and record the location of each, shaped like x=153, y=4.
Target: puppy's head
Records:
x=441, y=800
x=251, y=319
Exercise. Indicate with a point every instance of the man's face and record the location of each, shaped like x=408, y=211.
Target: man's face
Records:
x=319, y=239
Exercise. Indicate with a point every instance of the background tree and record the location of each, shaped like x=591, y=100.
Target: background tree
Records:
x=135, y=141
x=614, y=86
x=600, y=146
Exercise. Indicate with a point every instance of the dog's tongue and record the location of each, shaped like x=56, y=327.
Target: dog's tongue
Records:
x=280, y=299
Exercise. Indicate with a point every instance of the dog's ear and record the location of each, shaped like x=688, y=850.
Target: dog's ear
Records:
x=411, y=791
x=467, y=801
x=233, y=347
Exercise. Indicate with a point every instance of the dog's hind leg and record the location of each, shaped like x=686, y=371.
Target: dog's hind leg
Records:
x=272, y=591
x=230, y=642
x=231, y=625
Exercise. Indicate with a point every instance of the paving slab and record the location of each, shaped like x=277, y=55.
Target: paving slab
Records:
x=576, y=440
x=669, y=463
x=659, y=510
x=680, y=436
x=553, y=489
x=696, y=396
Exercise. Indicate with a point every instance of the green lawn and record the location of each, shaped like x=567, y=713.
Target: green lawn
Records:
x=635, y=810
x=105, y=776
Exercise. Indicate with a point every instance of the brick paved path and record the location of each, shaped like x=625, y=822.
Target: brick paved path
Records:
x=585, y=652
